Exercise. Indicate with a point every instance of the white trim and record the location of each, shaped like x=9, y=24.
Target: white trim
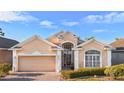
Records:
x=93, y=49
x=88, y=41
x=76, y=59
x=22, y=54
x=101, y=60
x=68, y=42
x=77, y=49
x=58, y=61
x=17, y=64
x=83, y=58
x=15, y=49
x=14, y=61
x=109, y=57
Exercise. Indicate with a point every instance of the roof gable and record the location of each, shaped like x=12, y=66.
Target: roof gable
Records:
x=63, y=36
x=32, y=38
x=91, y=40
x=118, y=43
x=62, y=33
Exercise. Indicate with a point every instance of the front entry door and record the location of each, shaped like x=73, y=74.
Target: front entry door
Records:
x=67, y=56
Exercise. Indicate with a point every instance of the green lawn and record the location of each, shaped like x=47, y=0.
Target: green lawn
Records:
x=98, y=78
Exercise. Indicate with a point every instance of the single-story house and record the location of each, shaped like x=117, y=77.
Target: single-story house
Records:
x=61, y=51
x=118, y=51
x=5, y=54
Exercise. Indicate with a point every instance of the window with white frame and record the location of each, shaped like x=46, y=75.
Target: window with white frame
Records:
x=92, y=58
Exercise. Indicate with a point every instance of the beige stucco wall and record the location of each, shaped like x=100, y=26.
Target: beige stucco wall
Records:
x=69, y=37
x=36, y=63
x=93, y=45
x=36, y=45
x=5, y=56
x=66, y=37
x=42, y=47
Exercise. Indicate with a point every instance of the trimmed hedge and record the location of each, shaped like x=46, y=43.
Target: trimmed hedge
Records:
x=115, y=71
x=83, y=72
x=4, y=69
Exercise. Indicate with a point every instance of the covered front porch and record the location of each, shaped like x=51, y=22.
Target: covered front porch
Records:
x=67, y=57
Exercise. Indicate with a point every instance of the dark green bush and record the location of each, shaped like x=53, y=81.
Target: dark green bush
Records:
x=83, y=72
x=4, y=69
x=115, y=71
x=93, y=71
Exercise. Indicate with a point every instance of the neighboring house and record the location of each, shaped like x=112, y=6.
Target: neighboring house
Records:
x=61, y=51
x=118, y=51
x=5, y=54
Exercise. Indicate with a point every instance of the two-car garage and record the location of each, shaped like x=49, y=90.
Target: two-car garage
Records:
x=36, y=63
x=35, y=55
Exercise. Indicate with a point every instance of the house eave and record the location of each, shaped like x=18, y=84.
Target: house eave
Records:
x=3, y=48
x=15, y=49
x=36, y=54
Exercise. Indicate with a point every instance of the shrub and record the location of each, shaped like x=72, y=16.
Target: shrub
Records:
x=115, y=71
x=4, y=69
x=83, y=72
x=67, y=73
x=94, y=71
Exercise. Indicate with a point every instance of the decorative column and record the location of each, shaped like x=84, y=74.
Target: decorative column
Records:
x=58, y=61
x=14, y=62
x=76, y=59
x=109, y=57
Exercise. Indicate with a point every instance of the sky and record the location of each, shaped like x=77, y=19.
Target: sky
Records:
x=104, y=26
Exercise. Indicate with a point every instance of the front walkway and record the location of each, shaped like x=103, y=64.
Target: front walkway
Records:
x=35, y=76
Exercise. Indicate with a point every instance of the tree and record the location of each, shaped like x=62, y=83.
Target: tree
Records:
x=118, y=38
x=1, y=32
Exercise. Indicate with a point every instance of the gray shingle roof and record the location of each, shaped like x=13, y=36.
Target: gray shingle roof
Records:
x=7, y=43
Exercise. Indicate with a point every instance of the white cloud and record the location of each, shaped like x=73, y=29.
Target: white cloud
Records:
x=101, y=30
x=70, y=23
x=94, y=18
x=11, y=16
x=112, y=17
x=47, y=24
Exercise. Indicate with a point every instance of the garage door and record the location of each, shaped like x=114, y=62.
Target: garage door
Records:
x=36, y=64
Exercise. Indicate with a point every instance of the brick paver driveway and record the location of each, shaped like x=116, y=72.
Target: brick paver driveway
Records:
x=29, y=76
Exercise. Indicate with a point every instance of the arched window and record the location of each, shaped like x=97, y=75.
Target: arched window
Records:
x=67, y=46
x=92, y=58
